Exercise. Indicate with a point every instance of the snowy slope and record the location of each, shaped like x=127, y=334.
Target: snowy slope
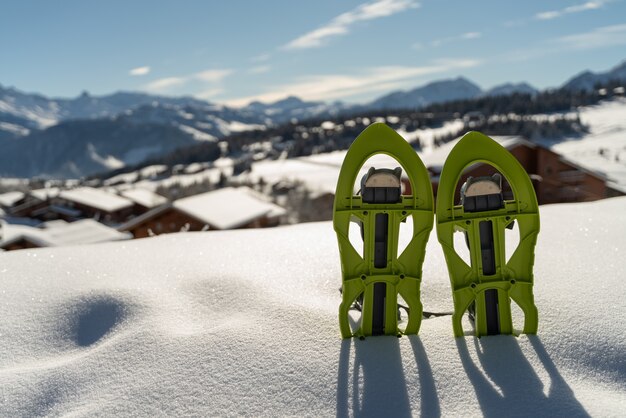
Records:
x=604, y=148
x=245, y=323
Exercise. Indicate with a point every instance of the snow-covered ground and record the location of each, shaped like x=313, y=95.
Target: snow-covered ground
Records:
x=604, y=148
x=245, y=323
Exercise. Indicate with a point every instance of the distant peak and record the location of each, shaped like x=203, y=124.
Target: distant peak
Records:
x=619, y=67
x=289, y=100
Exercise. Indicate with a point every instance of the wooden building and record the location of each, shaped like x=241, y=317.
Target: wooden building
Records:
x=556, y=180
x=57, y=233
x=98, y=204
x=228, y=208
x=9, y=200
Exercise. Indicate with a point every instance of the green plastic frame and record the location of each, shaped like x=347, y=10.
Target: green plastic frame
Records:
x=513, y=280
x=403, y=273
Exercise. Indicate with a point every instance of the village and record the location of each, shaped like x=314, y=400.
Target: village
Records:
x=211, y=197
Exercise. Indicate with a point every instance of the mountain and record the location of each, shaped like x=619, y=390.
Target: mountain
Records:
x=435, y=92
x=43, y=112
x=293, y=107
x=510, y=88
x=76, y=148
x=42, y=136
x=23, y=113
x=81, y=147
x=587, y=79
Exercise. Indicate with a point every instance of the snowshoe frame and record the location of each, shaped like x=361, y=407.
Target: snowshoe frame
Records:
x=513, y=280
x=402, y=273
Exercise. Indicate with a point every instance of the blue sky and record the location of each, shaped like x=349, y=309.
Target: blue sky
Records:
x=236, y=51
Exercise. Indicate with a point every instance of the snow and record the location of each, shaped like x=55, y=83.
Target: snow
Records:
x=607, y=125
x=319, y=172
x=152, y=170
x=45, y=193
x=245, y=323
x=61, y=233
x=110, y=162
x=236, y=126
x=328, y=125
x=9, y=199
x=437, y=157
x=126, y=178
x=197, y=134
x=96, y=198
x=144, y=197
x=228, y=208
x=427, y=136
x=44, y=118
x=317, y=177
x=14, y=129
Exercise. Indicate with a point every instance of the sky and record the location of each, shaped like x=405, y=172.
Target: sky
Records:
x=236, y=51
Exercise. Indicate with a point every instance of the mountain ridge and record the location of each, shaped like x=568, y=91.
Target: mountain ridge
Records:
x=587, y=80
x=26, y=120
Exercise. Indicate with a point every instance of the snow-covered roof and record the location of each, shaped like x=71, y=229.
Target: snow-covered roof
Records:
x=227, y=208
x=60, y=233
x=96, y=198
x=46, y=193
x=245, y=323
x=9, y=199
x=144, y=197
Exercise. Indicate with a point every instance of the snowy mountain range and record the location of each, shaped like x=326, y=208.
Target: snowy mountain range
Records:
x=587, y=79
x=54, y=137
x=437, y=91
x=510, y=88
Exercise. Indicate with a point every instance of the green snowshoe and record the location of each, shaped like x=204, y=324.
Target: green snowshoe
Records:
x=486, y=287
x=373, y=282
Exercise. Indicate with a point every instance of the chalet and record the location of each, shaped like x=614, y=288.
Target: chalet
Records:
x=9, y=200
x=38, y=205
x=555, y=179
x=144, y=199
x=229, y=208
x=57, y=233
x=98, y=204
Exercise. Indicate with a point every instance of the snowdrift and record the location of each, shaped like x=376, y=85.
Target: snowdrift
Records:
x=245, y=323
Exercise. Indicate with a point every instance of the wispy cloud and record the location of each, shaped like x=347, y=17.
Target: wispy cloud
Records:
x=260, y=58
x=602, y=37
x=212, y=76
x=340, y=86
x=577, y=8
x=260, y=69
x=210, y=93
x=342, y=24
x=598, y=38
x=139, y=71
x=463, y=37
x=163, y=84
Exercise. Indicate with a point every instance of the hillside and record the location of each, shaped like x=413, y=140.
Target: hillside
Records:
x=245, y=323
